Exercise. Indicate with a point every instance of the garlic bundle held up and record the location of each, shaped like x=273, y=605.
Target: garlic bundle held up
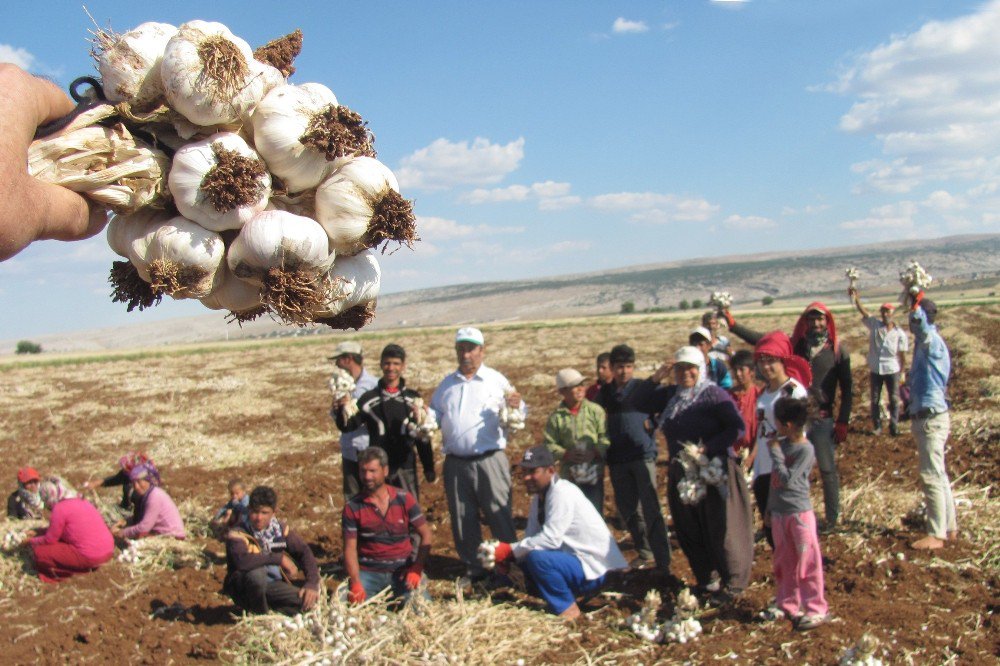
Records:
x=511, y=418
x=342, y=386
x=219, y=182
x=129, y=64
x=287, y=256
x=303, y=134
x=210, y=75
x=178, y=258
x=354, y=288
x=486, y=554
x=722, y=300
x=360, y=207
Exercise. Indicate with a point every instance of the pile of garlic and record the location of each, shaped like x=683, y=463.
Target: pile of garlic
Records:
x=229, y=184
x=486, y=554
x=13, y=538
x=700, y=471
x=511, y=418
x=683, y=626
x=130, y=553
x=914, y=279
x=643, y=623
x=862, y=654
x=721, y=300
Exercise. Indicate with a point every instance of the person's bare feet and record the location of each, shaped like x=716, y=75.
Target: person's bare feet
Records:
x=929, y=542
x=571, y=613
x=953, y=535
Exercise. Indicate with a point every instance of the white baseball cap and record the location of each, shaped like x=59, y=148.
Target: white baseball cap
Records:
x=689, y=355
x=568, y=378
x=346, y=347
x=469, y=334
x=703, y=332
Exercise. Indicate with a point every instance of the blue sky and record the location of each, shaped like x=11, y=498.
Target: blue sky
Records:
x=544, y=138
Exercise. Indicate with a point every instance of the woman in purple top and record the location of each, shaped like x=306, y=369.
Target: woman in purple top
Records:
x=155, y=513
x=715, y=531
x=76, y=540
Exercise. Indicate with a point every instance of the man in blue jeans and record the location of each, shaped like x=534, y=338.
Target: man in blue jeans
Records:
x=378, y=552
x=567, y=549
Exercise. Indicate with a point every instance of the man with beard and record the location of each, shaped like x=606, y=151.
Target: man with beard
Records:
x=347, y=356
x=815, y=340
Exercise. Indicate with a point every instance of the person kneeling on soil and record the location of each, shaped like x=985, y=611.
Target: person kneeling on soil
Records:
x=25, y=503
x=76, y=541
x=263, y=555
x=567, y=550
x=155, y=512
x=378, y=551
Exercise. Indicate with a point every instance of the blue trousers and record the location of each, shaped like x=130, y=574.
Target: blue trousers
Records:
x=559, y=578
x=376, y=581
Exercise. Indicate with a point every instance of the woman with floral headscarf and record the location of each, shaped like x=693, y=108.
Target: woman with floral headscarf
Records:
x=76, y=541
x=155, y=512
x=25, y=503
x=120, y=478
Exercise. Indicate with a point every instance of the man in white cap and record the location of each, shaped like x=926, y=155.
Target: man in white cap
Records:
x=467, y=405
x=347, y=356
x=887, y=346
x=577, y=436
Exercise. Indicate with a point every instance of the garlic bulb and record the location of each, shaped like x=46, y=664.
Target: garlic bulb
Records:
x=123, y=230
x=178, y=258
x=359, y=205
x=130, y=64
x=486, y=554
x=210, y=75
x=288, y=257
x=303, y=134
x=219, y=182
x=342, y=385
x=240, y=298
x=511, y=418
x=354, y=288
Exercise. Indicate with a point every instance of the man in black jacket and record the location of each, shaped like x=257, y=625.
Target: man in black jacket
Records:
x=631, y=458
x=815, y=340
x=393, y=415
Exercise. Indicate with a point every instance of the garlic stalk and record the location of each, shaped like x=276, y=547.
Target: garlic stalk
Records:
x=288, y=257
x=354, y=288
x=129, y=64
x=210, y=75
x=107, y=164
x=303, y=134
x=219, y=182
x=178, y=258
x=360, y=207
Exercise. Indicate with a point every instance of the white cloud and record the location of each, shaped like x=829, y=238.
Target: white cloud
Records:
x=559, y=203
x=749, y=222
x=805, y=210
x=891, y=216
x=545, y=192
x=17, y=56
x=444, y=164
x=571, y=246
x=623, y=26
x=931, y=98
x=943, y=202
x=443, y=229
x=730, y=4
x=655, y=207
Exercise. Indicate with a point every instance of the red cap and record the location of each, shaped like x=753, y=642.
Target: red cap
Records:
x=888, y=306
x=26, y=474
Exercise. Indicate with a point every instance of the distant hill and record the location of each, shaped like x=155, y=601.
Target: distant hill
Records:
x=784, y=275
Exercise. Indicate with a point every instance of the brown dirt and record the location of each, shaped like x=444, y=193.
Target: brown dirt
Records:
x=129, y=288
x=224, y=64
x=354, y=318
x=280, y=53
x=392, y=220
x=267, y=406
x=336, y=131
x=234, y=181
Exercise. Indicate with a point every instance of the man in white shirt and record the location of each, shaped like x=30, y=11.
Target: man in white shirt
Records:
x=887, y=346
x=467, y=405
x=347, y=356
x=567, y=550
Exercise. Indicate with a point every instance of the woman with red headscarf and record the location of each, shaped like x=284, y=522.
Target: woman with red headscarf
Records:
x=786, y=375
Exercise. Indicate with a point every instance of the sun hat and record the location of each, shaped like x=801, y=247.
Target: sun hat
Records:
x=568, y=378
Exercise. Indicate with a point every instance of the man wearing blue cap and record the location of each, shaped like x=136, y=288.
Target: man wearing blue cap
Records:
x=467, y=405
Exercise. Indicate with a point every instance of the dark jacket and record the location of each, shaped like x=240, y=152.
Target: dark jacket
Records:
x=712, y=419
x=17, y=508
x=388, y=416
x=243, y=554
x=631, y=419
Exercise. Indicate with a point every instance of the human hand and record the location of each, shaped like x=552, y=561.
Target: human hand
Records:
x=414, y=577
x=309, y=597
x=840, y=432
x=503, y=552
x=728, y=316
x=662, y=372
x=514, y=400
x=288, y=566
x=31, y=210
x=573, y=456
x=357, y=594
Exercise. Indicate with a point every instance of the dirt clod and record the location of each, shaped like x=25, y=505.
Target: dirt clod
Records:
x=355, y=318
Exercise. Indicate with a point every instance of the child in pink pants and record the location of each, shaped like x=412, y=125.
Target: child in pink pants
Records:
x=798, y=566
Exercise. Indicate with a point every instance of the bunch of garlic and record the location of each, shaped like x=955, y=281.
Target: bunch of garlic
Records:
x=486, y=554
x=131, y=553
x=862, y=654
x=700, y=471
x=643, y=623
x=511, y=418
x=914, y=279
x=584, y=473
x=342, y=385
x=423, y=423
x=721, y=300
x=852, y=277
x=683, y=626
x=231, y=185
x=13, y=538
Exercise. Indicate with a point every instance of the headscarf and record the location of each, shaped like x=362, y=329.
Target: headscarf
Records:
x=685, y=397
x=265, y=539
x=777, y=344
x=32, y=501
x=147, y=471
x=131, y=459
x=54, y=490
x=802, y=327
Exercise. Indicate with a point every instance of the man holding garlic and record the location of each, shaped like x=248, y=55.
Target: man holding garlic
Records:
x=467, y=406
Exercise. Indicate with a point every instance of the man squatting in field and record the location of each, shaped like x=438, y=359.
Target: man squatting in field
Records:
x=347, y=356
x=263, y=555
x=887, y=346
x=377, y=524
x=815, y=340
x=567, y=549
x=467, y=407
x=390, y=413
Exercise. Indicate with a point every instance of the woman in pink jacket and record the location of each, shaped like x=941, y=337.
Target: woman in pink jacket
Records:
x=76, y=541
x=155, y=513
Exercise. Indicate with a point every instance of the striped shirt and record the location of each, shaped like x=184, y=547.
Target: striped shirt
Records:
x=383, y=540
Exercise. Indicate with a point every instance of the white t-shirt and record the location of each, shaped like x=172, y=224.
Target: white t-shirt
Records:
x=766, y=429
x=884, y=346
x=468, y=412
